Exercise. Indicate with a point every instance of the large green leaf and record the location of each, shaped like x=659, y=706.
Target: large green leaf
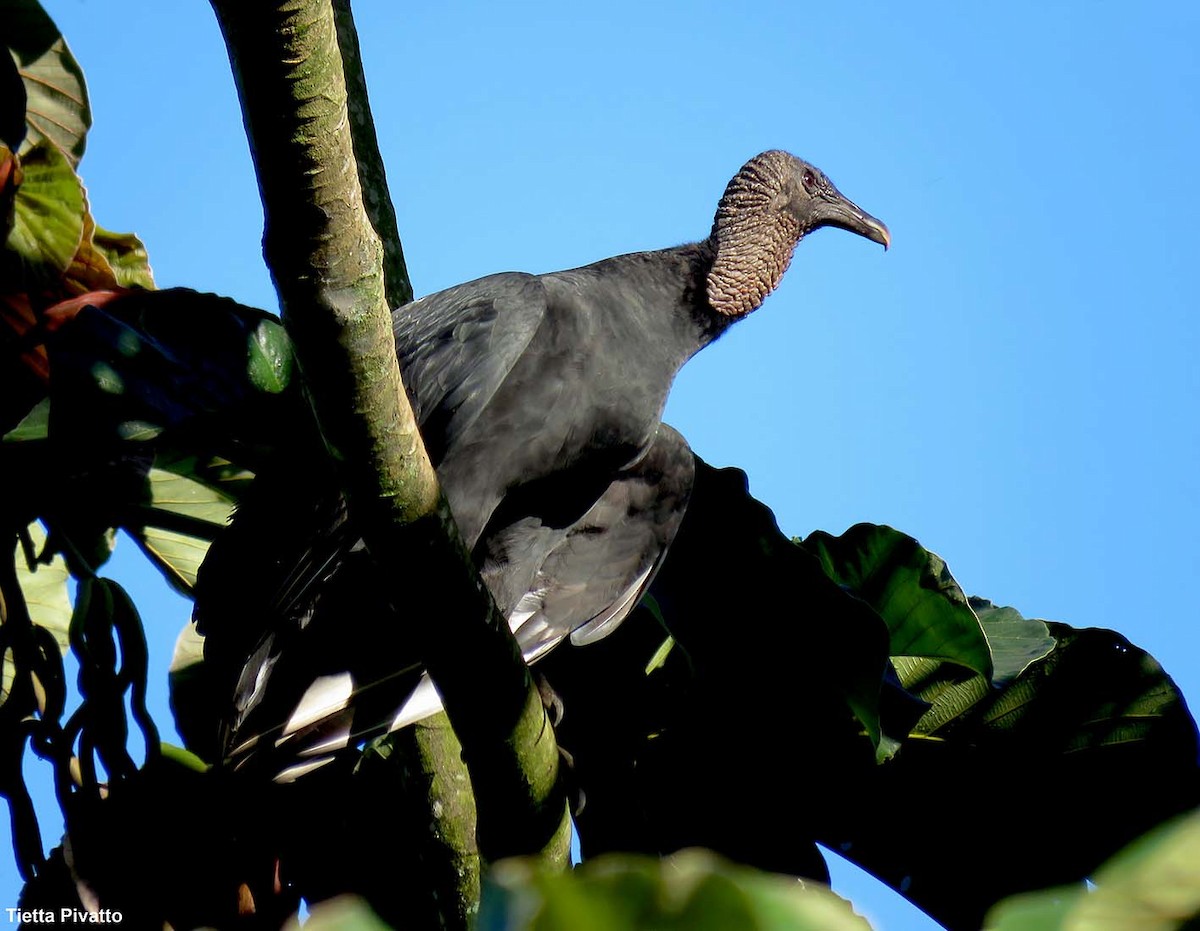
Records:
x=57, y=108
x=1151, y=885
x=690, y=891
x=911, y=588
x=48, y=217
x=950, y=691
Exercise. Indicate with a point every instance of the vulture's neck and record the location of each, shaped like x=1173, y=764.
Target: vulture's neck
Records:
x=667, y=291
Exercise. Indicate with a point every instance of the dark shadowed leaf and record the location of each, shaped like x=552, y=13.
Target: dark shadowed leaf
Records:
x=212, y=374
x=48, y=222
x=748, y=717
x=191, y=694
x=1024, y=787
x=57, y=107
x=762, y=571
x=12, y=103
x=1151, y=885
x=11, y=176
x=912, y=590
x=692, y=890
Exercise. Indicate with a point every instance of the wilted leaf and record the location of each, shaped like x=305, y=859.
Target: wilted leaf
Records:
x=910, y=588
x=693, y=890
x=48, y=212
x=57, y=107
x=126, y=257
x=106, y=261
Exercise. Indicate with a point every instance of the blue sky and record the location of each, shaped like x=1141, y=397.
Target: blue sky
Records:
x=1013, y=383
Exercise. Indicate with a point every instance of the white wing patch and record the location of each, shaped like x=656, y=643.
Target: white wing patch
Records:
x=423, y=702
x=325, y=697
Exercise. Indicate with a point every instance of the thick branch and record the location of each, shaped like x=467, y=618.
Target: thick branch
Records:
x=326, y=260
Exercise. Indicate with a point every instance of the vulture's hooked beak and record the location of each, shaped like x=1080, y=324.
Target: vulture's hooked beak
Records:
x=837, y=210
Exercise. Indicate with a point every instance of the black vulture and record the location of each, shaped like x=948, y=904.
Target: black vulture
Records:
x=540, y=400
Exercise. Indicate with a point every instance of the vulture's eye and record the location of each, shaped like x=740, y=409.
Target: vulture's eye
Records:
x=810, y=180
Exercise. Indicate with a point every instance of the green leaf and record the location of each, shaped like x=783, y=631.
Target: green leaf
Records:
x=693, y=890
x=175, y=527
x=34, y=426
x=911, y=588
x=126, y=255
x=44, y=587
x=1016, y=641
x=57, y=107
x=270, y=357
x=345, y=913
x=1036, y=911
x=176, y=555
x=47, y=216
x=173, y=492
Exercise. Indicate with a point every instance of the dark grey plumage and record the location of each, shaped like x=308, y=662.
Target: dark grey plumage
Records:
x=540, y=399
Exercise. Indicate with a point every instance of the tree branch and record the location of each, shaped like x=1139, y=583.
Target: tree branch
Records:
x=327, y=264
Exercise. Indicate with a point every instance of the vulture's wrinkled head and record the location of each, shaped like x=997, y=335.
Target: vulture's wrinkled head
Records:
x=767, y=208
